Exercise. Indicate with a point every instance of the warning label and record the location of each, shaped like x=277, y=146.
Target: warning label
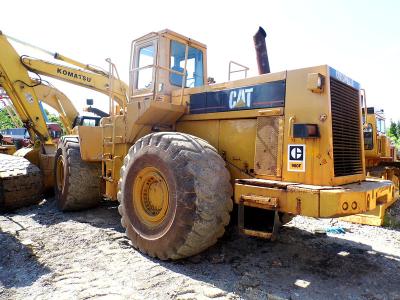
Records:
x=296, y=158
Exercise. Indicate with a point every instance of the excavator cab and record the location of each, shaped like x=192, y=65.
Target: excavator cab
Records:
x=165, y=61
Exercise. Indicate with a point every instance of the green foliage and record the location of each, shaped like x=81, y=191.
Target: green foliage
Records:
x=394, y=133
x=55, y=119
x=5, y=120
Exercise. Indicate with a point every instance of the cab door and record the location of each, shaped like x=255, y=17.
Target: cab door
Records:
x=143, y=67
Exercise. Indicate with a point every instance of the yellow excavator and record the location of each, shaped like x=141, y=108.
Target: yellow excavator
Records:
x=29, y=169
x=177, y=150
x=69, y=117
x=55, y=99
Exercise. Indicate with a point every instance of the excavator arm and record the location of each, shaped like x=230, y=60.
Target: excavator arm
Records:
x=98, y=81
x=15, y=80
x=60, y=102
x=22, y=90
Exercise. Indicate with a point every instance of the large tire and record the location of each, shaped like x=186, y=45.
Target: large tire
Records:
x=199, y=195
x=21, y=182
x=77, y=183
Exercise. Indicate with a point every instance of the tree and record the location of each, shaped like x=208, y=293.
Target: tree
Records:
x=394, y=132
x=5, y=120
x=55, y=119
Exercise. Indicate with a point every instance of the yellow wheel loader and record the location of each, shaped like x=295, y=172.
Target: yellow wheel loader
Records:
x=380, y=153
x=177, y=150
x=380, y=160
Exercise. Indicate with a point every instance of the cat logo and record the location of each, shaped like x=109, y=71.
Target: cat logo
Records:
x=296, y=158
x=240, y=98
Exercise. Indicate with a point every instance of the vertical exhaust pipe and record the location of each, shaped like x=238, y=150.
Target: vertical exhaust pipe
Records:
x=261, y=51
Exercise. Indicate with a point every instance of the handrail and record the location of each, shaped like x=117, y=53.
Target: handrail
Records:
x=244, y=69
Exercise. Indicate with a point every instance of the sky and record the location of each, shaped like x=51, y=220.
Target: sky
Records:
x=359, y=38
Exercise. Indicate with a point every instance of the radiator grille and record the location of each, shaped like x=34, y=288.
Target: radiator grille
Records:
x=346, y=129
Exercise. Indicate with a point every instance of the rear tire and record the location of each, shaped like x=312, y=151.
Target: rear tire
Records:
x=77, y=183
x=21, y=182
x=175, y=195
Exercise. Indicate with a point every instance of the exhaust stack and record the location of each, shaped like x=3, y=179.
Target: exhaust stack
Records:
x=261, y=51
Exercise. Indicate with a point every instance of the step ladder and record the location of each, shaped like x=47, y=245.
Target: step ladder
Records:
x=109, y=142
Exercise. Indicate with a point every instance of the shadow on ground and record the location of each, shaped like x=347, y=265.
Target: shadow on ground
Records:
x=325, y=267
x=104, y=216
x=19, y=266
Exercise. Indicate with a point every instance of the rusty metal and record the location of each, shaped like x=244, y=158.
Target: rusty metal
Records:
x=272, y=235
x=261, y=51
x=268, y=146
x=259, y=234
x=265, y=183
x=260, y=201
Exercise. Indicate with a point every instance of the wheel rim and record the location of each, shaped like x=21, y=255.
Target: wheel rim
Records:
x=60, y=173
x=150, y=196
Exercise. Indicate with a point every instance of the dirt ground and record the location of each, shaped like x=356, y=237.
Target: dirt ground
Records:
x=46, y=254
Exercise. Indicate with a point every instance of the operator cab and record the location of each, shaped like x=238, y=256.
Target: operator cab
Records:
x=165, y=61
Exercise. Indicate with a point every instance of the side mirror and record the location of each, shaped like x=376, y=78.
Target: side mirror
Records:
x=89, y=102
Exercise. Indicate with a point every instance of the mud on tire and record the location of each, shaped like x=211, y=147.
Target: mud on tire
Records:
x=199, y=191
x=80, y=187
x=21, y=182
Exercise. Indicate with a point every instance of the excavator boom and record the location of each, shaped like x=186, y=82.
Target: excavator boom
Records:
x=22, y=90
x=88, y=79
x=60, y=102
x=15, y=80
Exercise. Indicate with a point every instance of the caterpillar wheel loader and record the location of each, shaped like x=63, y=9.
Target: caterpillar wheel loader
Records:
x=380, y=160
x=178, y=150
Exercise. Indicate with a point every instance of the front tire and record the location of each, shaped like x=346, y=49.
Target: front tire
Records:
x=77, y=183
x=175, y=195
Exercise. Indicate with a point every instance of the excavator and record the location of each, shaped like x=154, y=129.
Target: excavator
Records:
x=177, y=149
x=66, y=110
x=69, y=117
x=31, y=168
x=52, y=97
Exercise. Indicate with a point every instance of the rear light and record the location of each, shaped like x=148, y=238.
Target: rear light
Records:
x=305, y=131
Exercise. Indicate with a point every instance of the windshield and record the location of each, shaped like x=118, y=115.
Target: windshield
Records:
x=194, y=65
x=368, y=138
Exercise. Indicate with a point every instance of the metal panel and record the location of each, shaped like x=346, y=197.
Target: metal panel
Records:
x=268, y=156
x=265, y=95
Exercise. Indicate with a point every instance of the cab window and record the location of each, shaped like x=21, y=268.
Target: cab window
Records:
x=194, y=65
x=145, y=75
x=89, y=122
x=368, y=137
x=381, y=125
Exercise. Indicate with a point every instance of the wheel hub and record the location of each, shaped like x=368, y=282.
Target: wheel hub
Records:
x=150, y=196
x=60, y=173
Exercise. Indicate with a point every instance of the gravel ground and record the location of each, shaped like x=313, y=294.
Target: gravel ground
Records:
x=46, y=254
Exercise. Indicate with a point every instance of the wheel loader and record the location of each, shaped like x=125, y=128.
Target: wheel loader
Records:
x=380, y=160
x=177, y=150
